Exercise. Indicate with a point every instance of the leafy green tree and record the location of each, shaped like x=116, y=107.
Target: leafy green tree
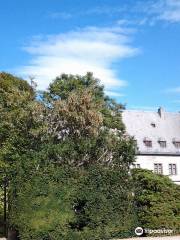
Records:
x=65, y=84
x=85, y=126
x=157, y=201
x=19, y=118
x=69, y=157
x=21, y=130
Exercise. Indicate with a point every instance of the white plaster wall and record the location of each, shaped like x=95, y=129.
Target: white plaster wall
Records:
x=147, y=162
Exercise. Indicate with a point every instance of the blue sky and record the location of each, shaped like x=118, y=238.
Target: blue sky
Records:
x=133, y=46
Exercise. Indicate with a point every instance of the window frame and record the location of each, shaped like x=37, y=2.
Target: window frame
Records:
x=162, y=144
x=153, y=125
x=158, y=168
x=172, y=169
x=177, y=144
x=148, y=143
x=136, y=165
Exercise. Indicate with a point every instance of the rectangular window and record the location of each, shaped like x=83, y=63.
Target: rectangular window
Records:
x=172, y=169
x=162, y=144
x=177, y=144
x=136, y=165
x=148, y=143
x=158, y=168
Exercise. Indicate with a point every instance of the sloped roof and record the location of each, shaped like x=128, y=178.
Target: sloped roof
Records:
x=154, y=126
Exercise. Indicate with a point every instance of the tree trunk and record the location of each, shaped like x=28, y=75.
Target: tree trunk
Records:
x=12, y=234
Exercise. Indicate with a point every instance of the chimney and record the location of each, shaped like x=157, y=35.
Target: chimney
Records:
x=161, y=112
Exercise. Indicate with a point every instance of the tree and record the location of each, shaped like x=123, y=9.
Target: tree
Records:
x=84, y=124
x=157, y=201
x=70, y=203
x=72, y=148
x=20, y=132
x=18, y=114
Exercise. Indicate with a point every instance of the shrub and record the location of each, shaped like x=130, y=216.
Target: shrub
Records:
x=1, y=211
x=157, y=201
x=74, y=204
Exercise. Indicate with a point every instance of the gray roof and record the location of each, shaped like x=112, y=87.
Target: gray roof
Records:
x=153, y=126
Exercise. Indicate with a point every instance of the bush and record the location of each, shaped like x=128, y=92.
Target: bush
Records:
x=157, y=201
x=65, y=203
x=104, y=204
x=1, y=212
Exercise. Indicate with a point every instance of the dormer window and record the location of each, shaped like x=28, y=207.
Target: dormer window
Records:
x=176, y=142
x=147, y=143
x=162, y=144
x=153, y=125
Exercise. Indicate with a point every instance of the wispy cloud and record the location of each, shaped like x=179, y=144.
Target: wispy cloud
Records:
x=162, y=10
x=62, y=15
x=107, y=10
x=176, y=101
x=167, y=10
x=88, y=49
x=150, y=12
x=114, y=94
x=142, y=12
x=173, y=90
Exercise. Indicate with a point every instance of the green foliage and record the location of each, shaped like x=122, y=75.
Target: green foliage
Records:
x=67, y=203
x=85, y=126
x=157, y=201
x=64, y=153
x=43, y=204
x=1, y=211
x=18, y=118
x=21, y=130
x=63, y=86
x=68, y=161
x=104, y=203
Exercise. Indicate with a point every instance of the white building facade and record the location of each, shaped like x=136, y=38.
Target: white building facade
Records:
x=158, y=140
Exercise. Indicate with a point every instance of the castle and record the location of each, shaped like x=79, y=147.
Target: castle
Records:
x=157, y=135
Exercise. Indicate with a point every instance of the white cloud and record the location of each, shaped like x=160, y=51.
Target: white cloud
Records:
x=176, y=101
x=150, y=12
x=173, y=90
x=107, y=10
x=89, y=49
x=62, y=15
x=170, y=10
x=166, y=10
x=114, y=94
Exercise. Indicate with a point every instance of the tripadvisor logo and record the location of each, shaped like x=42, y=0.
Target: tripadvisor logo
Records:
x=139, y=231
